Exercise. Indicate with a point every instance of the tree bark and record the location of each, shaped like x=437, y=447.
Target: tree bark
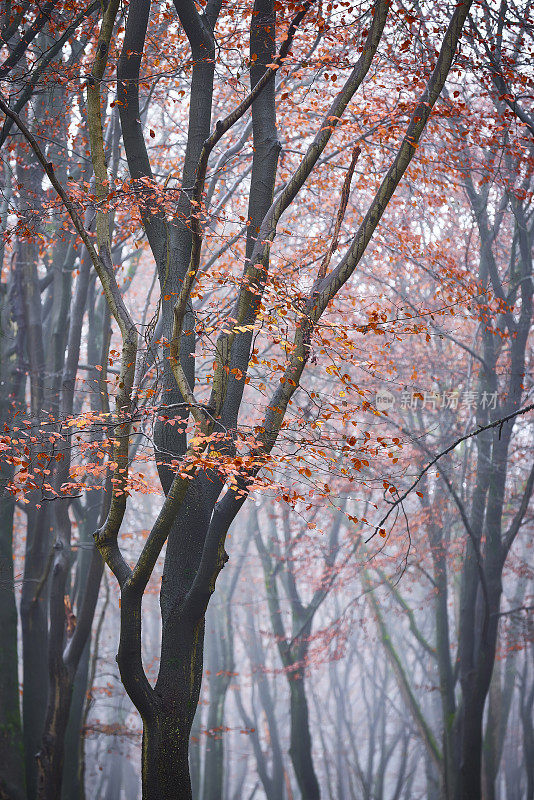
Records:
x=71, y=785
x=33, y=613
x=300, y=748
x=11, y=750
x=220, y=663
x=167, y=726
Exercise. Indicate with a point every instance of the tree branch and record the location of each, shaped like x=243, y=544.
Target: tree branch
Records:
x=496, y=424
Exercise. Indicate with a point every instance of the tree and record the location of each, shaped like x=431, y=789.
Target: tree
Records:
x=206, y=475
x=495, y=360
x=294, y=648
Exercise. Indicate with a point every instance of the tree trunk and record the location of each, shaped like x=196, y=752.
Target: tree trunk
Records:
x=11, y=752
x=470, y=776
x=71, y=788
x=34, y=599
x=300, y=748
x=220, y=663
x=11, y=394
x=195, y=754
x=33, y=613
x=475, y=686
x=165, y=765
x=526, y=707
x=167, y=724
x=63, y=664
x=51, y=755
x=492, y=733
x=214, y=758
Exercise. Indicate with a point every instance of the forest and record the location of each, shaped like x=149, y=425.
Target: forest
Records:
x=266, y=400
